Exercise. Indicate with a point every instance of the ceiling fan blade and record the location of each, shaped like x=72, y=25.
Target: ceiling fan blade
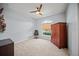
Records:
x=40, y=6
x=33, y=11
x=1, y=10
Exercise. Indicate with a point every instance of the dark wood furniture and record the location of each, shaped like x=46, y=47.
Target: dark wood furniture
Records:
x=59, y=34
x=6, y=47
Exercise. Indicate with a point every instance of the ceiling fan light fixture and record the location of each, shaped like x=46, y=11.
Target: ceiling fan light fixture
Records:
x=39, y=13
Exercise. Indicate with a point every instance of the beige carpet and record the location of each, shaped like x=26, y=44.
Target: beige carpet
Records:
x=38, y=47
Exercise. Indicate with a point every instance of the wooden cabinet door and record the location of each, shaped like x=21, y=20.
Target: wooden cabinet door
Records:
x=59, y=34
x=55, y=34
x=63, y=35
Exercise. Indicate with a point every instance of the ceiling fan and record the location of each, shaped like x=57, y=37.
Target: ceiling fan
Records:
x=38, y=10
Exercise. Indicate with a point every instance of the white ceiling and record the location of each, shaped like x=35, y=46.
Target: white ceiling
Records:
x=48, y=8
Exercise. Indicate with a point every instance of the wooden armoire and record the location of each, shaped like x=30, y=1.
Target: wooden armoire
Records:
x=59, y=34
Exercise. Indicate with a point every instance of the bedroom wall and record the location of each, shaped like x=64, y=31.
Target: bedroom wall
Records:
x=19, y=27
x=73, y=31
x=78, y=28
x=61, y=17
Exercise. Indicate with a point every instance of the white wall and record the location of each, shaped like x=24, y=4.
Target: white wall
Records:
x=78, y=24
x=61, y=17
x=73, y=23
x=19, y=26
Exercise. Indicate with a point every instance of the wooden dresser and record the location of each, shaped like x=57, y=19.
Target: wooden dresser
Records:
x=59, y=34
x=6, y=47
